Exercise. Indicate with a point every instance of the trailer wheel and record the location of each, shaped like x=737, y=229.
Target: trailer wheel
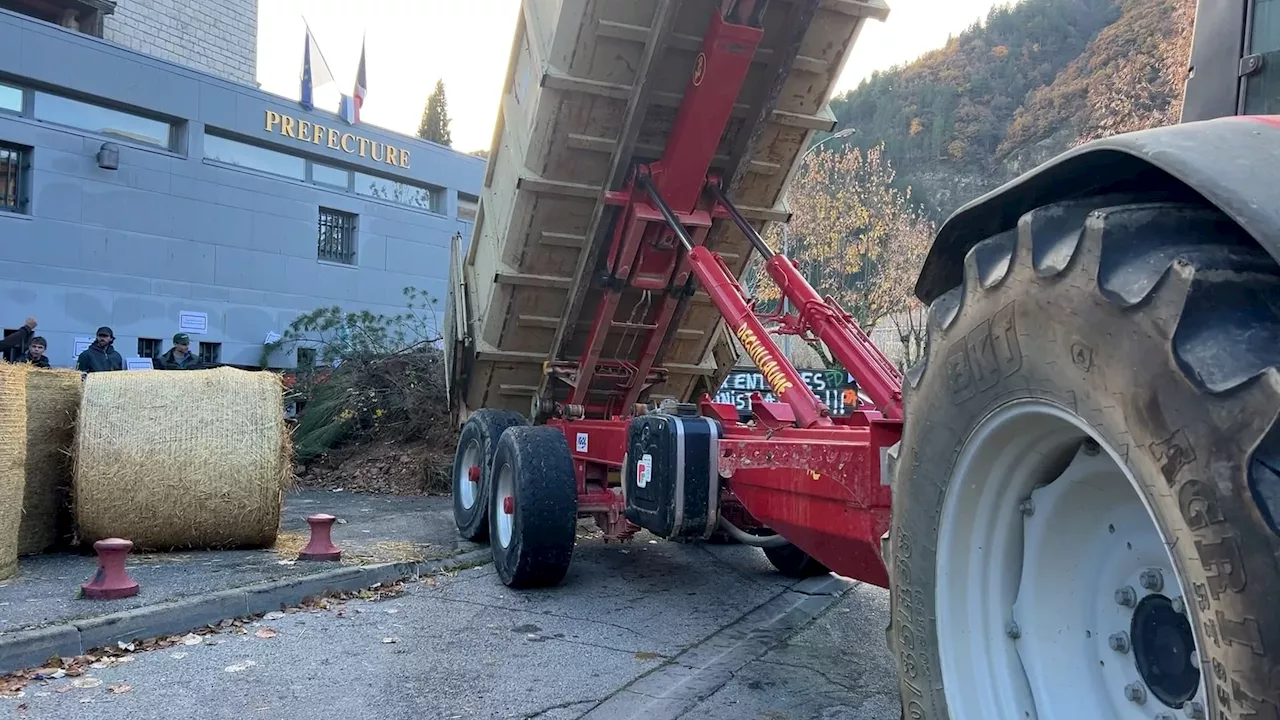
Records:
x=794, y=562
x=471, y=468
x=533, y=510
x=1086, y=502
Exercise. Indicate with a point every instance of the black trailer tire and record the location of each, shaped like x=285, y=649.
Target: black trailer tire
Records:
x=533, y=467
x=477, y=444
x=794, y=562
x=1156, y=326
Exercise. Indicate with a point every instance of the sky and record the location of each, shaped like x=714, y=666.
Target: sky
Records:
x=410, y=44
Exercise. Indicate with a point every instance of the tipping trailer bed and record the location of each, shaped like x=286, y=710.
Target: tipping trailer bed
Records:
x=593, y=88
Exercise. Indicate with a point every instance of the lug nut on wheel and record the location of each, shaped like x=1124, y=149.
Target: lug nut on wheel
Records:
x=1195, y=710
x=1119, y=642
x=1179, y=605
x=1136, y=693
x=1126, y=596
x=1165, y=716
x=1151, y=579
x=1027, y=507
x=1013, y=631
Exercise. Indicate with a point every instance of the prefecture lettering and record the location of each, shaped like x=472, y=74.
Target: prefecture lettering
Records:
x=335, y=139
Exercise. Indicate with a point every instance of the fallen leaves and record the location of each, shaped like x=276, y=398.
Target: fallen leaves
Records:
x=13, y=685
x=240, y=666
x=119, y=689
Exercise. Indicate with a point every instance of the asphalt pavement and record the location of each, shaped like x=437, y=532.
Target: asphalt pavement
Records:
x=646, y=630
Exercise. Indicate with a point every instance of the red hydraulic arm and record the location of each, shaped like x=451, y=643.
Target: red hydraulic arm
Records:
x=729, y=299
x=828, y=321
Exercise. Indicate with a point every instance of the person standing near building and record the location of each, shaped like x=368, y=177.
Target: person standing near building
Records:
x=179, y=356
x=101, y=356
x=16, y=338
x=35, y=353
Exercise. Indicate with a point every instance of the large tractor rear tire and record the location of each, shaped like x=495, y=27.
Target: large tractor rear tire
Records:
x=472, y=463
x=1086, y=500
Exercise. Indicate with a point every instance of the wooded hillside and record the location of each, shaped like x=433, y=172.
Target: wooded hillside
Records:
x=1031, y=80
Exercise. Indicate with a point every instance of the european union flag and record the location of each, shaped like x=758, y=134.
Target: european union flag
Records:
x=322, y=75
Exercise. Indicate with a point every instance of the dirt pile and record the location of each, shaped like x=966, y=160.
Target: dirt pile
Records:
x=383, y=467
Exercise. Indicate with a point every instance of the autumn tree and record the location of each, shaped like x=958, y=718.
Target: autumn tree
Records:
x=858, y=239
x=1145, y=87
x=435, y=118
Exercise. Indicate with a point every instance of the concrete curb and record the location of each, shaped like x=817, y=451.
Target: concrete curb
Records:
x=32, y=648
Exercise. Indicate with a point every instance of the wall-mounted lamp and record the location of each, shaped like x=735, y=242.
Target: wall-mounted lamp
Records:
x=109, y=156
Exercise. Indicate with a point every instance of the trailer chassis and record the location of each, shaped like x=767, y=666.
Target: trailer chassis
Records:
x=816, y=480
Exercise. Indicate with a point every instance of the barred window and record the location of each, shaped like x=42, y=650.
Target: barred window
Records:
x=210, y=353
x=14, y=166
x=149, y=348
x=337, y=239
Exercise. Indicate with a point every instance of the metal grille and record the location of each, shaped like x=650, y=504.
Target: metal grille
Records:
x=11, y=180
x=210, y=353
x=149, y=348
x=337, y=240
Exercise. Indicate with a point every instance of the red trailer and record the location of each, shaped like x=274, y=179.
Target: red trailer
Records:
x=1086, y=490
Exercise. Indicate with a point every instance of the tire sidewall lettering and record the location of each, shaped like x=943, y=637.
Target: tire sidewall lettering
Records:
x=1000, y=349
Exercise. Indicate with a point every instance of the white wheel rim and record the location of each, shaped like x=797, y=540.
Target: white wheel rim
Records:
x=468, y=489
x=505, y=489
x=1027, y=600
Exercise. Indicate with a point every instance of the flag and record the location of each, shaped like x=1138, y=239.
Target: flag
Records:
x=362, y=88
x=312, y=79
x=347, y=109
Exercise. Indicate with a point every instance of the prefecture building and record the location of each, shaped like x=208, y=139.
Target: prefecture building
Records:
x=147, y=184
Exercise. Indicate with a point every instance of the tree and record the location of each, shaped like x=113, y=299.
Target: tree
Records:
x=1145, y=87
x=435, y=118
x=860, y=240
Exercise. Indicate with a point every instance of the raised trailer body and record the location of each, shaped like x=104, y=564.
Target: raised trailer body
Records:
x=594, y=88
x=605, y=257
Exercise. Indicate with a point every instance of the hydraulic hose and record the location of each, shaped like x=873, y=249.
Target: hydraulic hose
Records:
x=746, y=538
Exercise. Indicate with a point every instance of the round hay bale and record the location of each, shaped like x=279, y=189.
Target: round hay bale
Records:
x=53, y=399
x=13, y=460
x=191, y=459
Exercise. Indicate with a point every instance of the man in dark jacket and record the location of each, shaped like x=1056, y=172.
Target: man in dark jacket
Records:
x=18, y=337
x=179, y=356
x=101, y=356
x=35, y=353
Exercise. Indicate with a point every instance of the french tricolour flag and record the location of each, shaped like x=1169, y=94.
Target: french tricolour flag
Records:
x=362, y=86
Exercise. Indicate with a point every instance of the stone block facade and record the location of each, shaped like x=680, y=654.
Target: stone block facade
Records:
x=216, y=36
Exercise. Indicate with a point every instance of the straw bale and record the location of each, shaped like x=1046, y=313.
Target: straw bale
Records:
x=53, y=399
x=189, y=459
x=13, y=458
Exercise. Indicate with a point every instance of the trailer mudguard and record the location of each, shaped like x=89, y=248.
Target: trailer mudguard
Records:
x=1233, y=163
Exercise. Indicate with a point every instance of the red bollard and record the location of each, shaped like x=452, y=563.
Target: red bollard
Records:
x=111, y=581
x=320, y=546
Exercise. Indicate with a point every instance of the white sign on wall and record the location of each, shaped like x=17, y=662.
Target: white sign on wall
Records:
x=138, y=363
x=81, y=344
x=196, y=323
